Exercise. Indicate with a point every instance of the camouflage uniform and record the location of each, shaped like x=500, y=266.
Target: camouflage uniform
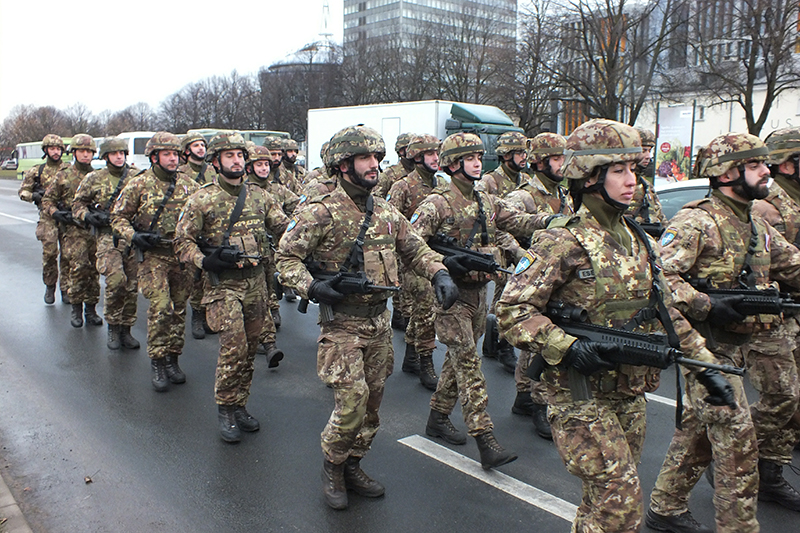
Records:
x=645, y=206
x=389, y=176
x=202, y=174
x=48, y=231
x=298, y=173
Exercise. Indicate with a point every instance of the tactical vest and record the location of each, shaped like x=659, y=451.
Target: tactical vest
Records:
x=544, y=200
x=789, y=211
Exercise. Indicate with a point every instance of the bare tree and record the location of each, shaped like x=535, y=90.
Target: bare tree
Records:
x=28, y=123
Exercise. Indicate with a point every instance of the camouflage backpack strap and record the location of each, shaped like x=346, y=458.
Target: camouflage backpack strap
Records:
x=118, y=189
x=37, y=181
x=235, y=214
x=167, y=196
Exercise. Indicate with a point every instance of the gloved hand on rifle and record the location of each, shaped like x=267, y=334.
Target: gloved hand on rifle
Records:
x=144, y=240
x=214, y=262
x=36, y=197
x=446, y=290
x=587, y=356
x=325, y=292
x=723, y=310
x=62, y=215
x=457, y=264
x=97, y=219
x=720, y=392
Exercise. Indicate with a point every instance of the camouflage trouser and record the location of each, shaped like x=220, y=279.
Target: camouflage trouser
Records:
x=268, y=333
x=773, y=364
x=499, y=285
x=459, y=328
x=236, y=309
x=727, y=436
x=270, y=270
x=52, y=238
x=537, y=389
x=120, y=272
x=84, y=281
x=420, y=332
x=600, y=442
x=403, y=301
x=166, y=284
x=198, y=282
x=354, y=357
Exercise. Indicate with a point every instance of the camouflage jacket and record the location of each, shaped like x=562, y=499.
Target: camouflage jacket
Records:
x=409, y=191
x=781, y=208
x=29, y=181
x=207, y=213
x=541, y=195
x=706, y=239
x=281, y=176
x=279, y=193
x=323, y=184
x=297, y=172
x=61, y=191
x=645, y=206
x=325, y=230
x=387, y=178
x=499, y=181
x=194, y=171
x=577, y=261
x=316, y=174
x=95, y=191
x=139, y=200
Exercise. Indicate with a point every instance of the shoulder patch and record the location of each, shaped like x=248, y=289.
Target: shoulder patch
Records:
x=303, y=198
x=668, y=237
x=524, y=264
x=414, y=217
x=291, y=225
x=388, y=196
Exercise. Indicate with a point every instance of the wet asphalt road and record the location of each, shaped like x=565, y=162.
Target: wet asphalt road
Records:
x=71, y=408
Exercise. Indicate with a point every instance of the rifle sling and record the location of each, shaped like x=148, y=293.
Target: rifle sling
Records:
x=160, y=209
x=38, y=179
x=480, y=223
x=236, y=213
x=355, y=259
x=201, y=176
x=747, y=278
x=118, y=189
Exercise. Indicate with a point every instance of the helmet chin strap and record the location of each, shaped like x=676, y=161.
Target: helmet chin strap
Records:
x=548, y=171
x=513, y=164
x=464, y=172
x=600, y=185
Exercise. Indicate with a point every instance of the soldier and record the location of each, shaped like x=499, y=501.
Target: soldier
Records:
x=717, y=241
x=772, y=358
x=79, y=245
x=645, y=206
x=469, y=216
x=34, y=184
x=511, y=148
x=350, y=230
x=598, y=262
x=145, y=215
x=93, y=200
x=278, y=174
x=402, y=168
x=542, y=193
x=289, y=161
x=229, y=215
x=318, y=181
x=406, y=194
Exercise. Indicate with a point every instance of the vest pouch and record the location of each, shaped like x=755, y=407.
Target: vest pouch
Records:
x=248, y=245
x=485, y=277
x=380, y=266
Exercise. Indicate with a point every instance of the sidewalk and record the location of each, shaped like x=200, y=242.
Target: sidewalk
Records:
x=10, y=511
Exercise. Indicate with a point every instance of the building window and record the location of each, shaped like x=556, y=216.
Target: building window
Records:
x=700, y=113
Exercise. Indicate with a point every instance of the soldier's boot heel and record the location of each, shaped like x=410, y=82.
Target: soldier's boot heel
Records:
x=228, y=428
x=76, y=318
x=682, y=523
x=773, y=487
x=113, y=342
x=245, y=420
x=439, y=425
x=174, y=372
x=540, y=423
x=411, y=360
x=159, y=372
x=274, y=355
x=65, y=297
x=50, y=294
x=197, y=324
x=427, y=375
x=359, y=482
x=492, y=454
x=523, y=404
x=128, y=341
x=333, y=486
x=276, y=317
x=507, y=356
x=92, y=318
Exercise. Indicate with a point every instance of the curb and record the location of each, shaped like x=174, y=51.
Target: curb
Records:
x=9, y=509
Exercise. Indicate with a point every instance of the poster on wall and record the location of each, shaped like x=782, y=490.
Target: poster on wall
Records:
x=674, y=142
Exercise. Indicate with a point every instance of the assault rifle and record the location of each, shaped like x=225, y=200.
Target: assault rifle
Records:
x=654, y=229
x=754, y=302
x=105, y=218
x=66, y=214
x=37, y=194
x=448, y=246
x=349, y=283
x=155, y=239
x=230, y=254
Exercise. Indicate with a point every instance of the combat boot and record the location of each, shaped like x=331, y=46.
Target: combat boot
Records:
x=333, y=486
x=772, y=486
x=274, y=354
x=159, y=371
x=65, y=297
x=245, y=420
x=399, y=322
x=540, y=423
x=113, y=337
x=523, y=404
x=289, y=294
x=507, y=356
x=491, y=338
x=197, y=324
x=228, y=429
x=77, y=316
x=276, y=317
x=439, y=425
x=356, y=480
x=127, y=340
x=174, y=372
x=92, y=318
x=411, y=360
x=492, y=454
x=50, y=294
x=427, y=375
x=681, y=523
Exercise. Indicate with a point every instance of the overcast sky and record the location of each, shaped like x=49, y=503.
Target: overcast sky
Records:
x=111, y=54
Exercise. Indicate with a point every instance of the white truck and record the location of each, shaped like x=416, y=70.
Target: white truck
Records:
x=436, y=117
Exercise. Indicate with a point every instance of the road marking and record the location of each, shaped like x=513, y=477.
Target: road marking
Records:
x=509, y=485
x=661, y=399
x=18, y=218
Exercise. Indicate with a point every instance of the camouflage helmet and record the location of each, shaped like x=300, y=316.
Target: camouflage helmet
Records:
x=512, y=141
x=290, y=144
x=83, y=141
x=226, y=141
x=259, y=153
x=782, y=144
x=355, y=140
x=189, y=139
x=51, y=139
x=597, y=143
x=114, y=144
x=728, y=151
x=648, y=137
x=402, y=141
x=163, y=140
x=273, y=143
x=420, y=144
x=323, y=149
x=544, y=145
x=457, y=145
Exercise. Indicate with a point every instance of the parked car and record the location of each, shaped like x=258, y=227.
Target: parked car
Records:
x=9, y=164
x=675, y=195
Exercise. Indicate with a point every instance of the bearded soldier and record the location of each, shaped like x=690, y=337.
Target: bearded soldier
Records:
x=403, y=167
x=289, y=162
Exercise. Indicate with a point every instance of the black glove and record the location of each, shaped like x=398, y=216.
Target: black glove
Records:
x=446, y=290
x=98, y=219
x=587, y=356
x=63, y=216
x=456, y=265
x=720, y=392
x=214, y=262
x=723, y=310
x=325, y=292
x=144, y=240
x=37, y=197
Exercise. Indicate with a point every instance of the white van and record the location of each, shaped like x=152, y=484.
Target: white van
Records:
x=137, y=140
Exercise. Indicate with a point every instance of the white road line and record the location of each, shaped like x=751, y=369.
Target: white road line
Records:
x=18, y=218
x=661, y=399
x=509, y=485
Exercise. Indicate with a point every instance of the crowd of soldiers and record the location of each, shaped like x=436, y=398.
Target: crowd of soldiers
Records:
x=229, y=227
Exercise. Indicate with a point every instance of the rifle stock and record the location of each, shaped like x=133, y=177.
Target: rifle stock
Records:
x=448, y=246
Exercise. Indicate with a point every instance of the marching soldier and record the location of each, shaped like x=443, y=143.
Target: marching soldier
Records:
x=278, y=173
x=289, y=162
x=402, y=168
x=645, y=206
